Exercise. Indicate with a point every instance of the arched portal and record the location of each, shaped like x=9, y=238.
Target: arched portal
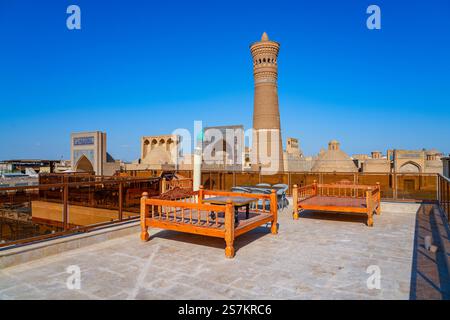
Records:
x=84, y=165
x=410, y=167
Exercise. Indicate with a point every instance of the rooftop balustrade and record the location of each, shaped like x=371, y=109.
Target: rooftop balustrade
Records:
x=63, y=204
x=31, y=213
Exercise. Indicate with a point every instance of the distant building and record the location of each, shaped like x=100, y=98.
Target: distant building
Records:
x=446, y=166
x=416, y=161
x=376, y=163
x=294, y=161
x=403, y=161
x=247, y=158
x=186, y=161
x=223, y=148
x=21, y=165
x=63, y=166
x=334, y=160
x=159, y=152
x=88, y=154
x=19, y=179
x=359, y=159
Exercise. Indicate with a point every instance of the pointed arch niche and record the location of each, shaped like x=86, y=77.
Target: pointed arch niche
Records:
x=84, y=165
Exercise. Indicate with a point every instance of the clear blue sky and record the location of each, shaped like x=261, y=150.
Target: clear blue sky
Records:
x=148, y=67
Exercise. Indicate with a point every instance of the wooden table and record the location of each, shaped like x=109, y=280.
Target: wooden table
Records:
x=237, y=202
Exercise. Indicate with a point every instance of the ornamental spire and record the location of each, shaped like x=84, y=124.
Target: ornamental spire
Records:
x=264, y=37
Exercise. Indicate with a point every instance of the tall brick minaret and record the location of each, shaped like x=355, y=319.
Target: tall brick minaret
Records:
x=266, y=114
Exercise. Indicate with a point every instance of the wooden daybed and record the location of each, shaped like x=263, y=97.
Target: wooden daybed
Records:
x=195, y=215
x=348, y=198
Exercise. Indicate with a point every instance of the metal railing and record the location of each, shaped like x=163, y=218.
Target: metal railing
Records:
x=30, y=213
x=394, y=186
x=444, y=195
x=61, y=205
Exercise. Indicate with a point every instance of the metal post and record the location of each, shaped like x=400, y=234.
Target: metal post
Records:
x=439, y=189
x=442, y=198
x=447, y=200
x=289, y=182
x=120, y=201
x=442, y=193
x=395, y=191
x=65, y=206
x=210, y=181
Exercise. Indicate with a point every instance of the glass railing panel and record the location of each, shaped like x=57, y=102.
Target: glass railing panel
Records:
x=416, y=186
x=24, y=213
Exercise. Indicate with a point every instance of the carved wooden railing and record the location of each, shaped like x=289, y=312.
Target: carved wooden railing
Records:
x=303, y=193
x=167, y=185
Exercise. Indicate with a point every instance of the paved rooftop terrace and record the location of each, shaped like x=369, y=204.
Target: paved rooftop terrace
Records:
x=319, y=256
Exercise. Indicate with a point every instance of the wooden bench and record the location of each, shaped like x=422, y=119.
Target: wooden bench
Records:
x=349, y=198
x=193, y=215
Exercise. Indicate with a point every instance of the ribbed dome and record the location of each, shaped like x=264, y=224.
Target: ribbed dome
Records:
x=334, y=160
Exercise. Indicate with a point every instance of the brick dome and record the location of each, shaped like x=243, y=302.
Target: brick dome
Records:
x=334, y=160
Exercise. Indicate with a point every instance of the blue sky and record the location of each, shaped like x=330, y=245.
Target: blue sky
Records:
x=146, y=68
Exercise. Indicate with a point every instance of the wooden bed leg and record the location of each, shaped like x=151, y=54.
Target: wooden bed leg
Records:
x=379, y=199
x=274, y=228
x=144, y=214
x=274, y=212
x=370, y=219
x=145, y=235
x=369, y=205
x=229, y=230
x=297, y=213
x=229, y=250
x=295, y=201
